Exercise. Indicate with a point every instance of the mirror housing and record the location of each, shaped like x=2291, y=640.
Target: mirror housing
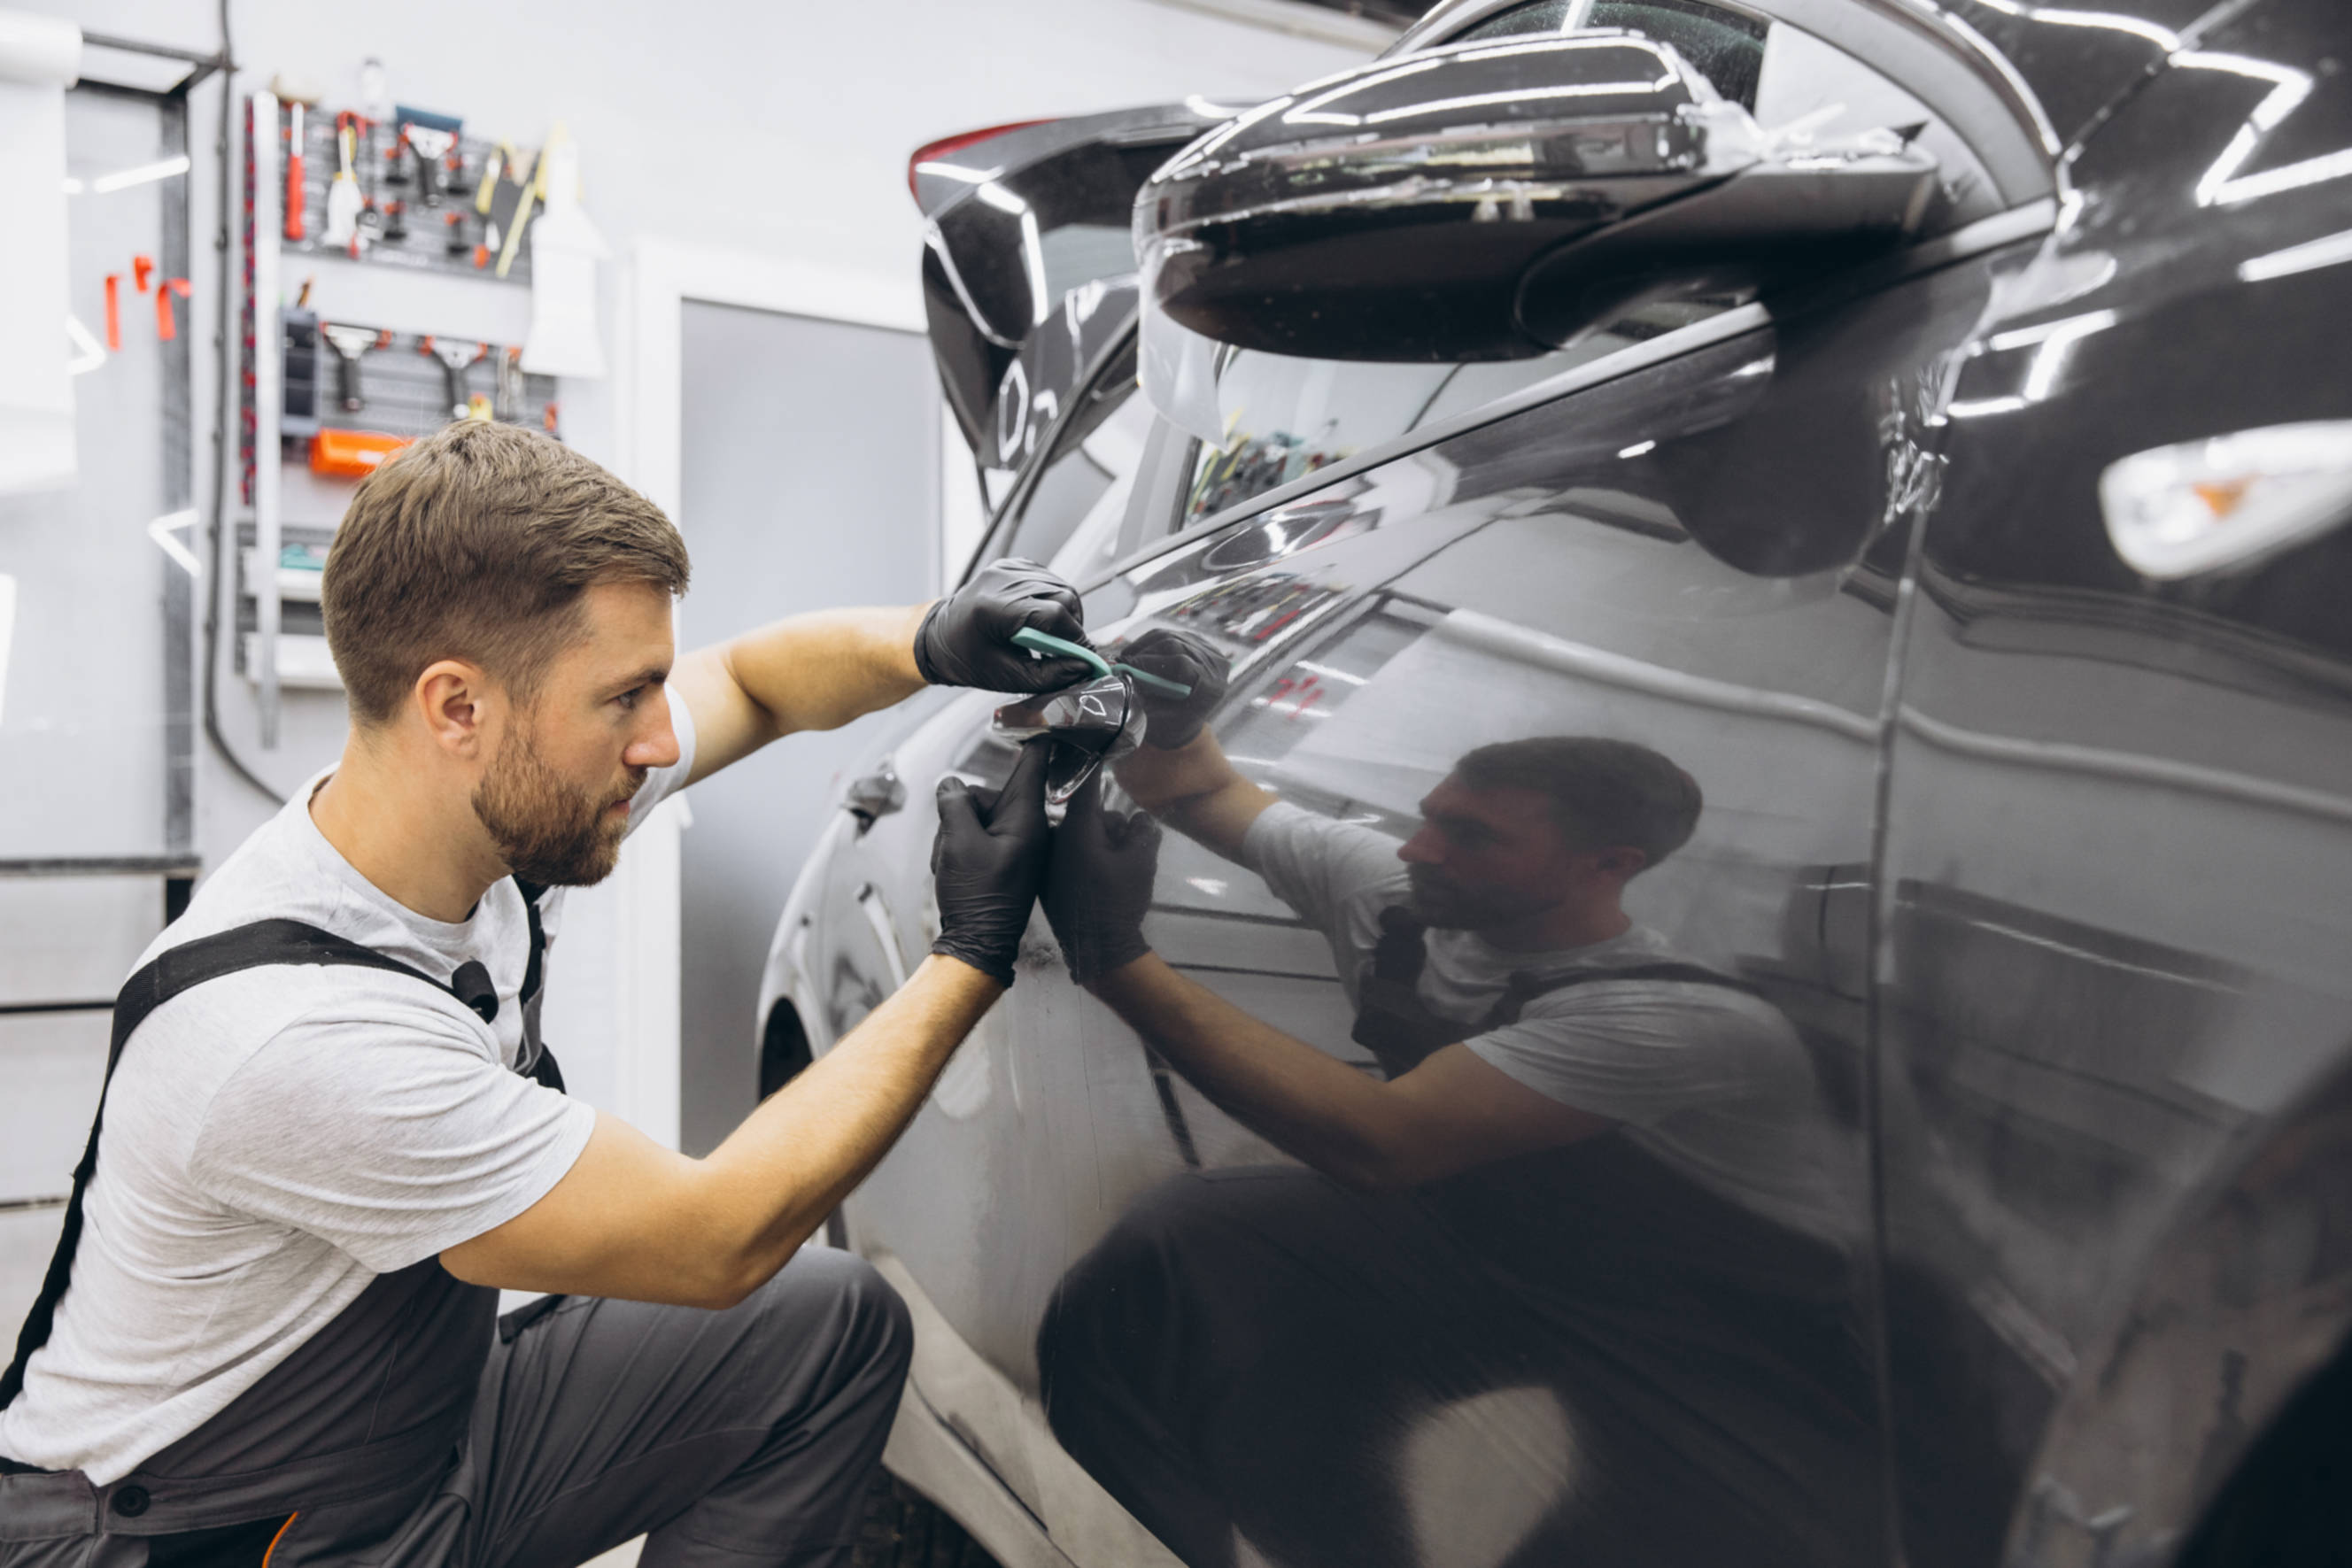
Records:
x=1493, y=201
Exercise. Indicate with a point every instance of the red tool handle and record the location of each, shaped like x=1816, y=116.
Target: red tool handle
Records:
x=114, y=312
x=294, y=178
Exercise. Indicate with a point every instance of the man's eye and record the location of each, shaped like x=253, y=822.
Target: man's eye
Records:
x=628, y=699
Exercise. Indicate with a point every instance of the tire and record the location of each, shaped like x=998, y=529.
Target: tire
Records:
x=785, y=1055
x=784, y=1052
x=904, y=1529
x=2289, y=1505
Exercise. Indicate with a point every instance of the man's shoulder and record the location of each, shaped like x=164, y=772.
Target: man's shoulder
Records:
x=1689, y=1005
x=1352, y=859
x=264, y=878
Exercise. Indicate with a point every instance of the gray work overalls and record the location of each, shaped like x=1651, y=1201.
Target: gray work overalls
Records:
x=353, y=1429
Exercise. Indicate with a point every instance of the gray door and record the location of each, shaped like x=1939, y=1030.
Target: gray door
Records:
x=809, y=480
x=95, y=809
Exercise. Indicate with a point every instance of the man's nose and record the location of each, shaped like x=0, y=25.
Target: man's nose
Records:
x=1425, y=848
x=658, y=745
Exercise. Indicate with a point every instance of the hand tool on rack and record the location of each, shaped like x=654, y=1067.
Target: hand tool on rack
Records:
x=456, y=359
x=428, y=144
x=114, y=311
x=508, y=403
x=353, y=454
x=302, y=396
x=142, y=268
x=395, y=221
x=457, y=242
x=344, y=194
x=295, y=201
x=349, y=344
x=431, y=137
x=521, y=219
x=493, y=166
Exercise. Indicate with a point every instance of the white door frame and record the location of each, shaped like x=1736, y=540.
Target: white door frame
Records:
x=657, y=277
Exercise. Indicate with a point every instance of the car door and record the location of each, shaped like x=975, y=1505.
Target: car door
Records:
x=1686, y=529
x=1700, y=554
x=2120, y=836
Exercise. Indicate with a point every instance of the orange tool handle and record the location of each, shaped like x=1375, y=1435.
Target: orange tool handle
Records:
x=353, y=454
x=114, y=312
x=166, y=329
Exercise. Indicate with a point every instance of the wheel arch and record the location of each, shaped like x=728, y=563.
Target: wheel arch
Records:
x=2236, y=1334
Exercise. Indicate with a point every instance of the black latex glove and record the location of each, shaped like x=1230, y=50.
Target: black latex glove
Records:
x=988, y=864
x=966, y=640
x=1182, y=657
x=1098, y=886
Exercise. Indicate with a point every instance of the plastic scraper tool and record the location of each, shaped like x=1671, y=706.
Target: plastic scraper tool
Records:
x=1038, y=642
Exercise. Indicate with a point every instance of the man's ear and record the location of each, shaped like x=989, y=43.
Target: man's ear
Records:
x=1622, y=862
x=458, y=703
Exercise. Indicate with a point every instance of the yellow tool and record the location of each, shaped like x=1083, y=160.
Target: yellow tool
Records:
x=531, y=184
x=344, y=194
x=492, y=167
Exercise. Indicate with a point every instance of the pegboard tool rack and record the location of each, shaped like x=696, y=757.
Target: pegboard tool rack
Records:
x=388, y=171
x=277, y=640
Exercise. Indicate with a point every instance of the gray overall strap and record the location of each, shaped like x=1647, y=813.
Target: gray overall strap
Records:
x=1400, y=1031
x=261, y=943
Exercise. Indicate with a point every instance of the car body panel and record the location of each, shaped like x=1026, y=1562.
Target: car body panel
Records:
x=2117, y=841
x=2041, y=862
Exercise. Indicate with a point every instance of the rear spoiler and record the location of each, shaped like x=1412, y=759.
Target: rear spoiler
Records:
x=1017, y=216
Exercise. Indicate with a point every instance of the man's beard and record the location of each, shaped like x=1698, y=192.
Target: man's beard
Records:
x=1447, y=906
x=549, y=831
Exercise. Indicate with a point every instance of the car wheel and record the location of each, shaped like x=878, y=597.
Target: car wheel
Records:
x=783, y=1049
x=903, y=1529
x=2290, y=1503
x=784, y=1055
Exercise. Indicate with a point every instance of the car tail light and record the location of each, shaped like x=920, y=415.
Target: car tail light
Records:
x=2228, y=500
x=934, y=151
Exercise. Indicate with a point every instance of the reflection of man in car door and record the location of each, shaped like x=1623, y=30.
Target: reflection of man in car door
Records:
x=1593, y=1172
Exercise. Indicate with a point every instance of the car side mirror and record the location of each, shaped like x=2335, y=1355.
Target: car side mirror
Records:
x=1493, y=201
x=1090, y=723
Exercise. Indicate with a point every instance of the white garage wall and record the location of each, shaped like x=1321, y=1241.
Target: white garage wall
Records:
x=780, y=131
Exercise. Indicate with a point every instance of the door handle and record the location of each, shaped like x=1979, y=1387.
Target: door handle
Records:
x=875, y=796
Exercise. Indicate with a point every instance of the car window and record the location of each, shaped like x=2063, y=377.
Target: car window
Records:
x=1285, y=417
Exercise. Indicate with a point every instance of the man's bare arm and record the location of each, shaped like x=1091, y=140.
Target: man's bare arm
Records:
x=816, y=670
x=1196, y=790
x=1451, y=1113
x=637, y=1221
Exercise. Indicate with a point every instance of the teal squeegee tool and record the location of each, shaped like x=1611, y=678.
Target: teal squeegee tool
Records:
x=1038, y=642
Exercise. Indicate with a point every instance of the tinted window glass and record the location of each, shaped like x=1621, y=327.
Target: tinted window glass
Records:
x=1285, y=417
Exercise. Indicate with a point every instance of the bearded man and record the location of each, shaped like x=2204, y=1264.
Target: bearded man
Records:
x=332, y=1134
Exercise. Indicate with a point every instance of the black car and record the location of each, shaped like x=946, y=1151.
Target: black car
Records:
x=1761, y=911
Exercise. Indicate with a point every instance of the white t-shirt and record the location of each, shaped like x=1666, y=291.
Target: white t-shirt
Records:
x=274, y=1139
x=1711, y=1080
